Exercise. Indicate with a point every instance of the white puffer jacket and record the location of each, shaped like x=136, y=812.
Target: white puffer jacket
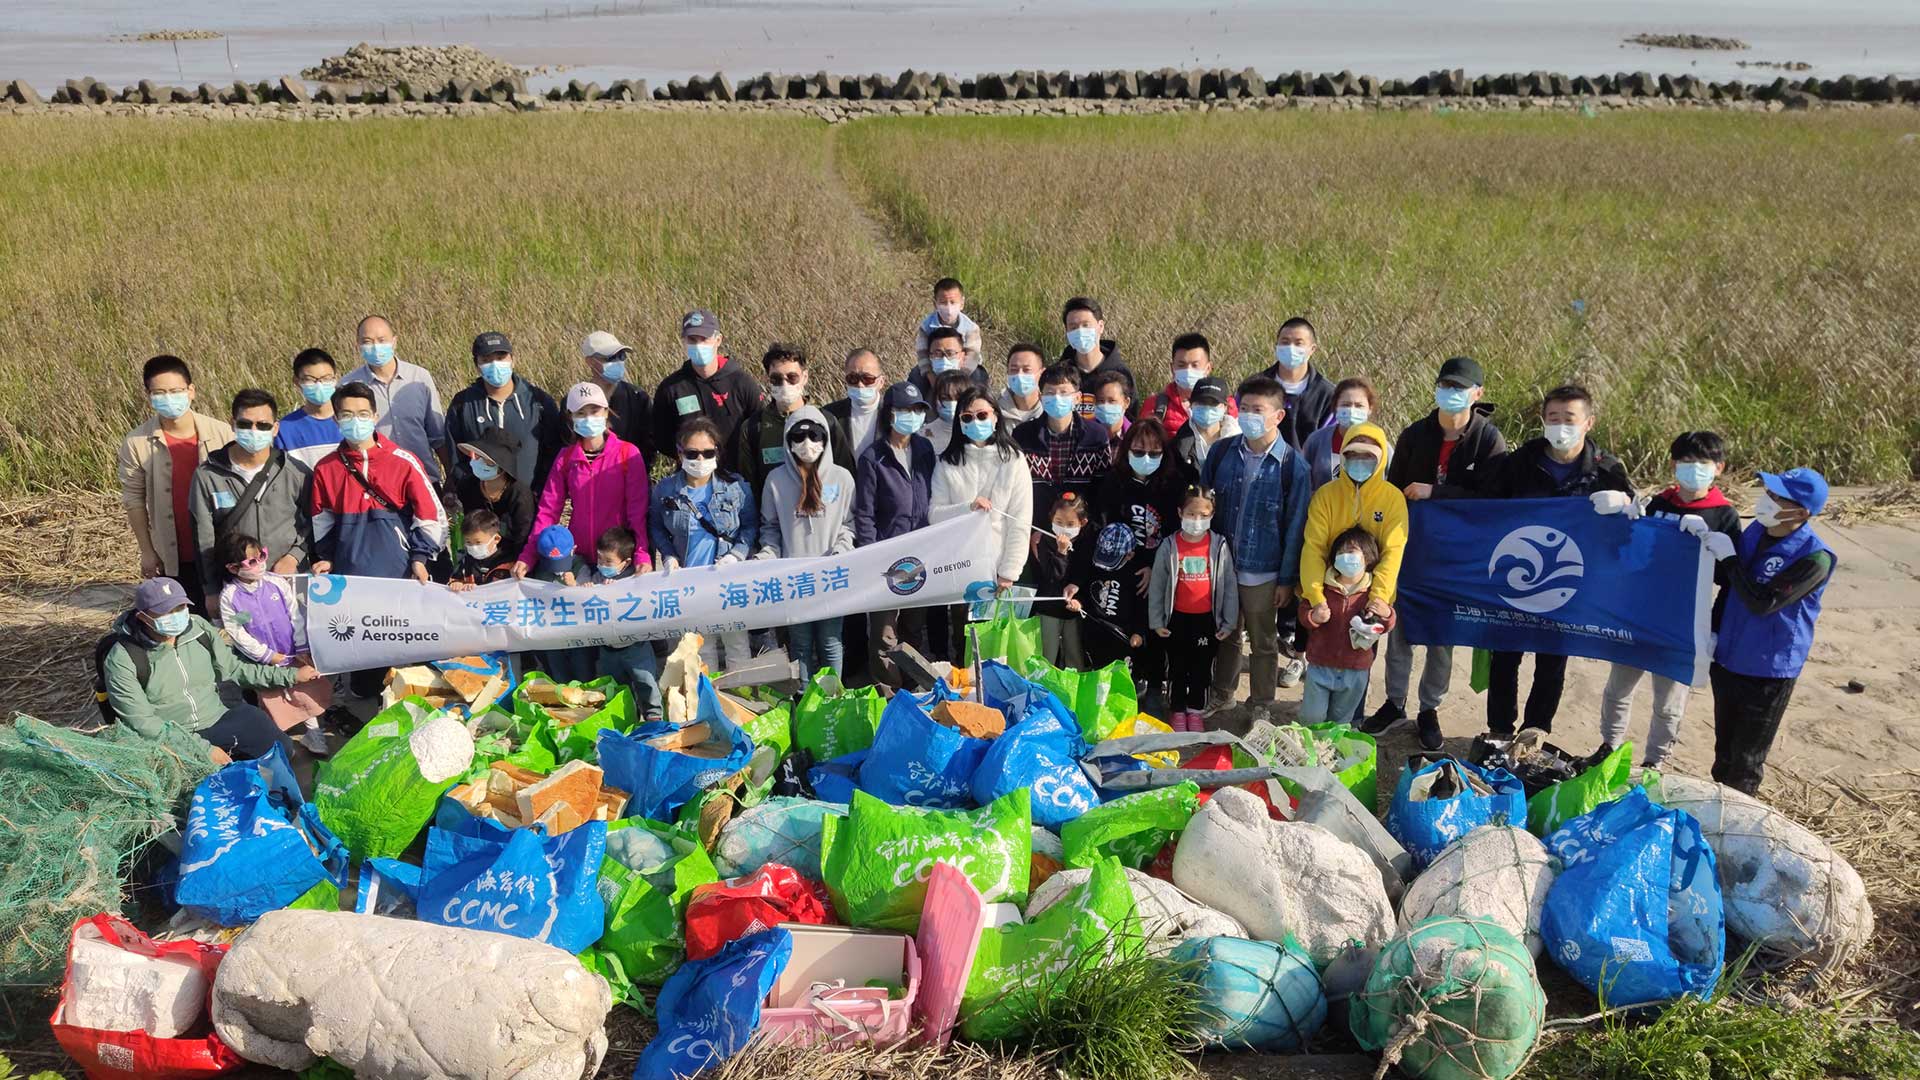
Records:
x=1001, y=476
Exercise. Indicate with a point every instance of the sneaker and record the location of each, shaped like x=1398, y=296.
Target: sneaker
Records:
x=1389, y=716
x=1596, y=757
x=1429, y=724
x=315, y=741
x=1196, y=721
x=1291, y=669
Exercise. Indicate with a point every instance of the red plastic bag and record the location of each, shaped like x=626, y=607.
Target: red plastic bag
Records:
x=729, y=910
x=1221, y=757
x=136, y=1055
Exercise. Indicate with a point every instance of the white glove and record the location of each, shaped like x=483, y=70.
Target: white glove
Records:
x=1694, y=525
x=1364, y=634
x=1719, y=545
x=669, y=564
x=726, y=560
x=1610, y=502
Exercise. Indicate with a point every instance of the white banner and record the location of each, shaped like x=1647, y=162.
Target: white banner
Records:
x=358, y=622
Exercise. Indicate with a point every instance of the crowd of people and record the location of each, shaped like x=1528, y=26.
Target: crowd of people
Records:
x=1195, y=532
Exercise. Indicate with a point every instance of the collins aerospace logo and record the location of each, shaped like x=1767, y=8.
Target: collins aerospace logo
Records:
x=904, y=578
x=340, y=628
x=1542, y=568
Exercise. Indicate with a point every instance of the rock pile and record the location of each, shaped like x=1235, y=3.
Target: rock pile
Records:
x=421, y=65
x=1689, y=41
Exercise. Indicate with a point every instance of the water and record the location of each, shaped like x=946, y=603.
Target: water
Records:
x=47, y=41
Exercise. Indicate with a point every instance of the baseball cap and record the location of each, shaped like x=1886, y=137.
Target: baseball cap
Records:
x=157, y=596
x=1114, y=546
x=555, y=542
x=585, y=394
x=1362, y=446
x=1464, y=370
x=497, y=445
x=602, y=344
x=1210, y=391
x=493, y=341
x=1803, y=485
x=699, y=324
x=902, y=395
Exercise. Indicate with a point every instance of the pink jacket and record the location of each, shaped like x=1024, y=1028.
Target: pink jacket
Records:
x=607, y=491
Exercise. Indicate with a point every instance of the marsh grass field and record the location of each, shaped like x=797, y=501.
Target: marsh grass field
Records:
x=1754, y=274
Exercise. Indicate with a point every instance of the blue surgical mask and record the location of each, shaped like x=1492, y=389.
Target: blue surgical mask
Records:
x=608, y=571
x=1208, y=415
x=1022, y=384
x=377, y=354
x=1290, y=357
x=170, y=405
x=588, y=427
x=909, y=421
x=1187, y=378
x=1143, y=464
x=355, y=429
x=863, y=396
x=1452, y=399
x=613, y=370
x=702, y=354
x=1349, y=563
x=1348, y=415
x=977, y=430
x=1693, y=475
x=1085, y=340
x=483, y=469
x=497, y=372
x=944, y=364
x=1360, y=468
x=946, y=410
x=173, y=623
x=1253, y=425
x=1109, y=413
x=1059, y=406
x=253, y=441
x=318, y=393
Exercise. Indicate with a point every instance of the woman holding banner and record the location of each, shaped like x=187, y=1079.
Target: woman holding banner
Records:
x=603, y=478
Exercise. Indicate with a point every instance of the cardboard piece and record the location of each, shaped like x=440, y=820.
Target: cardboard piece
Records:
x=577, y=784
x=516, y=797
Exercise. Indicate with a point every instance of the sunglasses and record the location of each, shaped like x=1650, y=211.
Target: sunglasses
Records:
x=699, y=455
x=858, y=378
x=799, y=435
x=975, y=418
x=257, y=560
x=791, y=378
x=254, y=425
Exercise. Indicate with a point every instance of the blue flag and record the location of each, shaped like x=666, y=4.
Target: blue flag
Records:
x=1551, y=576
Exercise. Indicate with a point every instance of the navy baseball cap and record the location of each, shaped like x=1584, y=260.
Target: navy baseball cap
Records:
x=1210, y=391
x=699, y=324
x=493, y=341
x=1803, y=485
x=157, y=596
x=902, y=395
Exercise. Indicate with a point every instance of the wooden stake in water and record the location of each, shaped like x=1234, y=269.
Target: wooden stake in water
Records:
x=181, y=71
x=230, y=66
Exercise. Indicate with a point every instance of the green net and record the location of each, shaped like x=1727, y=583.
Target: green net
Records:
x=74, y=809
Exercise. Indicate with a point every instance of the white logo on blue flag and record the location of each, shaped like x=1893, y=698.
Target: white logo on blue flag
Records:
x=1548, y=572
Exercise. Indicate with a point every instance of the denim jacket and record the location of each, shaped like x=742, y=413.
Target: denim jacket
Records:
x=672, y=517
x=1267, y=531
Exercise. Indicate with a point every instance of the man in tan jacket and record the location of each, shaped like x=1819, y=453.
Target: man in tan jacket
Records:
x=156, y=467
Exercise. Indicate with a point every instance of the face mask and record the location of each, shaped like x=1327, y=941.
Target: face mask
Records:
x=608, y=571
x=1059, y=406
x=948, y=313
x=863, y=396
x=173, y=623
x=977, y=430
x=1693, y=475
x=944, y=364
x=497, y=372
x=1023, y=384
x=588, y=427
x=909, y=422
x=1349, y=563
x=1563, y=437
x=253, y=441
x=1765, y=510
x=1068, y=531
x=1187, y=378
x=807, y=450
x=702, y=356
x=1207, y=416
x=1143, y=464
x=786, y=394
x=1359, y=469
x=1084, y=340
x=170, y=405
x=1290, y=357
x=245, y=573
x=1452, y=399
x=355, y=430
x=1348, y=415
x=1253, y=425
x=946, y=410
x=699, y=468
x=1196, y=526
x=318, y=393
x=378, y=355
x=613, y=370
x=481, y=551
x=1109, y=413
x=483, y=470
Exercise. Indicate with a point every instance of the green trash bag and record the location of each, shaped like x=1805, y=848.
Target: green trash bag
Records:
x=1006, y=637
x=1557, y=804
x=773, y=728
x=876, y=861
x=1101, y=700
x=1454, y=999
x=1353, y=757
x=645, y=877
x=831, y=721
x=1132, y=828
x=378, y=791
x=1019, y=961
x=499, y=735
x=575, y=741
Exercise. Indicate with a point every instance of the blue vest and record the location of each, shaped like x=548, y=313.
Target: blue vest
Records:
x=1771, y=646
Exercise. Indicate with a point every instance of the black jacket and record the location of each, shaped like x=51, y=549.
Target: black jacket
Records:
x=1416, y=454
x=633, y=416
x=1089, y=459
x=763, y=449
x=529, y=412
x=515, y=508
x=1521, y=474
x=728, y=398
x=1109, y=361
x=1309, y=410
x=1150, y=507
x=922, y=380
x=1050, y=572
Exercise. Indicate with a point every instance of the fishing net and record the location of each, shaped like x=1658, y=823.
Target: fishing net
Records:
x=74, y=810
x=1453, y=999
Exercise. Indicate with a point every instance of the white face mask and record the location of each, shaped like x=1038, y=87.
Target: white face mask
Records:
x=1765, y=510
x=1068, y=531
x=947, y=312
x=808, y=451
x=699, y=467
x=481, y=551
x=787, y=393
x=1563, y=437
x=1196, y=526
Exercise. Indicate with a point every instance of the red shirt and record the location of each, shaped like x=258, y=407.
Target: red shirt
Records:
x=1178, y=409
x=1446, y=451
x=186, y=458
x=1192, y=576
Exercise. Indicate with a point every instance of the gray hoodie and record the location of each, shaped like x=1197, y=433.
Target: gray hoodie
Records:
x=784, y=532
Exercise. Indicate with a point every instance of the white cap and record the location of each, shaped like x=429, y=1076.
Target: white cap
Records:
x=585, y=394
x=601, y=344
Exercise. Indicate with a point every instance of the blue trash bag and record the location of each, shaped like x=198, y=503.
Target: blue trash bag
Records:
x=709, y=1008
x=662, y=781
x=1636, y=913
x=835, y=781
x=1042, y=752
x=519, y=882
x=1253, y=995
x=915, y=761
x=388, y=887
x=1425, y=826
x=250, y=843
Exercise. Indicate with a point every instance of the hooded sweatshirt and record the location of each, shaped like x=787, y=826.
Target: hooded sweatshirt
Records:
x=1109, y=361
x=1001, y=475
x=786, y=533
x=1307, y=411
x=1375, y=505
x=529, y=412
x=727, y=398
x=1322, y=452
x=1417, y=455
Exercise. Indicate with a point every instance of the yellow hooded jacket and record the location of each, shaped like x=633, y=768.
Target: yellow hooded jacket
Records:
x=1339, y=505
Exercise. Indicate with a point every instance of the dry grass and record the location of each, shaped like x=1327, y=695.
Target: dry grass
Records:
x=64, y=566
x=959, y=1061
x=1900, y=499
